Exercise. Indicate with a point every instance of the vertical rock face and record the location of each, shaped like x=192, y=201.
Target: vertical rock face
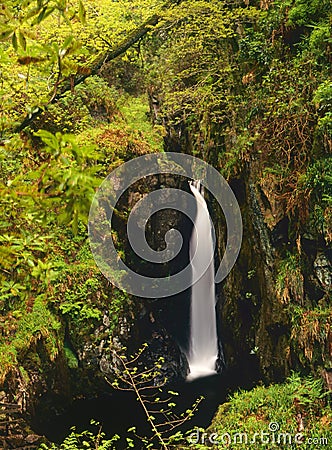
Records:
x=257, y=300
x=156, y=322
x=253, y=324
x=279, y=286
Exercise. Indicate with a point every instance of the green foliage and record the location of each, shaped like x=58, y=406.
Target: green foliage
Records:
x=317, y=183
x=310, y=334
x=289, y=282
x=80, y=296
x=244, y=96
x=99, y=98
x=84, y=440
x=280, y=411
x=72, y=360
x=147, y=380
x=319, y=40
x=91, y=104
x=261, y=408
x=318, y=180
x=136, y=117
x=246, y=87
x=305, y=12
x=48, y=178
x=21, y=330
x=47, y=181
x=323, y=100
x=195, y=67
x=46, y=47
x=323, y=96
x=120, y=304
x=78, y=310
x=254, y=49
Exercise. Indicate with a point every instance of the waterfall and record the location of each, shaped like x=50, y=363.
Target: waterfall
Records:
x=203, y=343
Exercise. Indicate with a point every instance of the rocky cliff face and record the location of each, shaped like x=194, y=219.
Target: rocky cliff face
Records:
x=270, y=308
x=278, y=272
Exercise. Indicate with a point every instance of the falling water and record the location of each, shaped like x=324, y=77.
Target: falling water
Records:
x=203, y=345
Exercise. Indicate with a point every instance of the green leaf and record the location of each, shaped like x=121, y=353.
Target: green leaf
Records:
x=48, y=139
x=67, y=42
x=41, y=15
x=44, y=13
x=173, y=393
x=82, y=12
x=22, y=40
x=4, y=34
x=32, y=13
x=14, y=41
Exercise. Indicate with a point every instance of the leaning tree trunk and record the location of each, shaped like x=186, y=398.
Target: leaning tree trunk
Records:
x=109, y=55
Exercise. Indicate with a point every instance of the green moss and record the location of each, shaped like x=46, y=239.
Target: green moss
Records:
x=72, y=361
x=135, y=111
x=278, y=407
x=37, y=325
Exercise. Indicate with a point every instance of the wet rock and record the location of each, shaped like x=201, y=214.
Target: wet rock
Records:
x=161, y=347
x=323, y=270
x=272, y=209
x=260, y=225
x=174, y=366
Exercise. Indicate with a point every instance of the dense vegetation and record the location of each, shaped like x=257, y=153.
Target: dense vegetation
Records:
x=87, y=85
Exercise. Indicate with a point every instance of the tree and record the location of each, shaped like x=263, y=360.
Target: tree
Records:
x=150, y=387
x=66, y=58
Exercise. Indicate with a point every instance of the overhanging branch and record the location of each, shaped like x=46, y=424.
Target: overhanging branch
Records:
x=109, y=55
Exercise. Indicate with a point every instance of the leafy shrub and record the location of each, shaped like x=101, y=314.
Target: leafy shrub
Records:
x=298, y=404
x=306, y=12
x=323, y=96
x=254, y=48
x=310, y=335
x=99, y=98
x=84, y=440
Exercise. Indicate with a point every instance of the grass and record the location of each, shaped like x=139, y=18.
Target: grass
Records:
x=299, y=405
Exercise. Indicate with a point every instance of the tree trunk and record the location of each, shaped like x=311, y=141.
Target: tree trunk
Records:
x=111, y=54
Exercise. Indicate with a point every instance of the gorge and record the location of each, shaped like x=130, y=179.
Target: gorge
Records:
x=86, y=86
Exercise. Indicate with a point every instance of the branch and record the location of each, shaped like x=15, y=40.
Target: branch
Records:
x=109, y=55
x=146, y=411
x=166, y=419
